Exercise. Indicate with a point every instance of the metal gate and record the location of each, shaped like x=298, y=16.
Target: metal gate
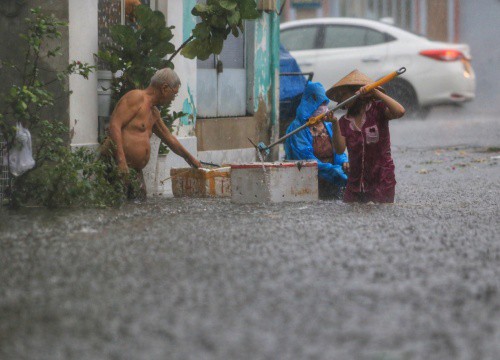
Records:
x=221, y=81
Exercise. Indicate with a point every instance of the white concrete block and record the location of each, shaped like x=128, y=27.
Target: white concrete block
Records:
x=149, y=171
x=274, y=182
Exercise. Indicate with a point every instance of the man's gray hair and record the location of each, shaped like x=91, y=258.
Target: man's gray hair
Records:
x=165, y=76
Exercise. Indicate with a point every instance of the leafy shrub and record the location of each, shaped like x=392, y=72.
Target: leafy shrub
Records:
x=60, y=177
x=137, y=51
x=77, y=178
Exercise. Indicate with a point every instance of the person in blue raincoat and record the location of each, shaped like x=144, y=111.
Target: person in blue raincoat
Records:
x=315, y=142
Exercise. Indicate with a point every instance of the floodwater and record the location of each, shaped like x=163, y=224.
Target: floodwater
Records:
x=208, y=279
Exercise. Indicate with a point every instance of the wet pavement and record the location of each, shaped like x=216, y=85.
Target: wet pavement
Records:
x=207, y=279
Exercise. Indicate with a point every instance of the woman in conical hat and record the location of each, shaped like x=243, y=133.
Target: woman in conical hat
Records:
x=315, y=142
x=364, y=129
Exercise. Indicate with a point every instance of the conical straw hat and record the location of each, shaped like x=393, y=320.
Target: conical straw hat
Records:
x=354, y=78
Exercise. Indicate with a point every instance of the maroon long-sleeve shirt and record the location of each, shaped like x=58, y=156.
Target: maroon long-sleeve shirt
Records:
x=371, y=176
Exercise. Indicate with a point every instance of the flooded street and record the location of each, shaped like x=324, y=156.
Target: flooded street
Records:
x=208, y=279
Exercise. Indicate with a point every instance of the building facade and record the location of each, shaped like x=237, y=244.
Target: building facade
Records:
x=228, y=98
x=436, y=19
x=479, y=28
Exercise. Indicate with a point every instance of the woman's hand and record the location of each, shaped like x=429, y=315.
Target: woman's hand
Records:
x=330, y=117
x=366, y=93
x=346, y=168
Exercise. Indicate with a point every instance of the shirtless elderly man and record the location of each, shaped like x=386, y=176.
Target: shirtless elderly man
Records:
x=134, y=120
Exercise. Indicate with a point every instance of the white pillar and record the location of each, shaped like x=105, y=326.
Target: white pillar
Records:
x=83, y=43
x=180, y=16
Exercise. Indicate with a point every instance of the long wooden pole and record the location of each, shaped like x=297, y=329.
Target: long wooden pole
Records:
x=314, y=120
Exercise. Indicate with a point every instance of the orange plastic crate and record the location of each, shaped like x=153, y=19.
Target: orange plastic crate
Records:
x=189, y=182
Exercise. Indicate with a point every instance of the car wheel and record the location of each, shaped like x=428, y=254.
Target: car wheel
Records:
x=404, y=93
x=423, y=112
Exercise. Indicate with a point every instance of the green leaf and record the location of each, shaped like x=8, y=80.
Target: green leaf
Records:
x=166, y=34
x=14, y=90
x=163, y=48
x=228, y=4
x=234, y=18
x=201, y=9
x=143, y=14
x=190, y=50
x=155, y=21
x=124, y=35
x=218, y=21
x=197, y=48
x=234, y=30
x=201, y=31
x=248, y=10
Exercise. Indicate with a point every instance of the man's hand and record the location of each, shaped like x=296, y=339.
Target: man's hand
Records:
x=123, y=168
x=124, y=173
x=191, y=160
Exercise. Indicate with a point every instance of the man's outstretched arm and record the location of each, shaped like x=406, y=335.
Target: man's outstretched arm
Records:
x=161, y=130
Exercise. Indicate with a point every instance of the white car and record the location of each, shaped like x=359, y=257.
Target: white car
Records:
x=437, y=72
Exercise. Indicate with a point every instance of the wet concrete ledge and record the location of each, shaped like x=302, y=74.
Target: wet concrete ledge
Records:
x=225, y=133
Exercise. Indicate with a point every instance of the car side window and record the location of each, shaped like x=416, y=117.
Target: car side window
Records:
x=340, y=36
x=374, y=37
x=300, y=38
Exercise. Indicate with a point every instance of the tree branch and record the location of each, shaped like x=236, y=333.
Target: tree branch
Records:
x=50, y=82
x=180, y=47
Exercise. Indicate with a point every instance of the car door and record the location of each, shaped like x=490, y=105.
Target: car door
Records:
x=343, y=48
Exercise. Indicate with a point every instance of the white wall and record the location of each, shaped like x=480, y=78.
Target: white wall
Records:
x=479, y=28
x=159, y=167
x=176, y=15
x=82, y=46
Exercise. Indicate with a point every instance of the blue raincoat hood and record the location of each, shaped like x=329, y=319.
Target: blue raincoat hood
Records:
x=300, y=145
x=314, y=96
